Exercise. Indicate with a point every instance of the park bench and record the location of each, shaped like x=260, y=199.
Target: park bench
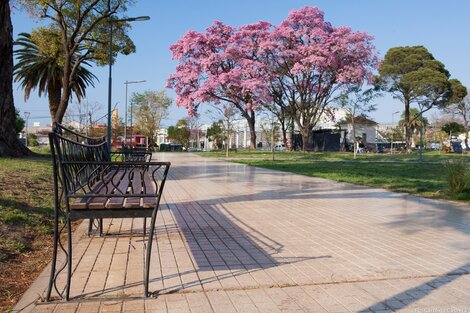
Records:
x=125, y=154
x=89, y=185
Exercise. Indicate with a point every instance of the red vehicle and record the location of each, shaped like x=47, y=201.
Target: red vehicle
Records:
x=136, y=141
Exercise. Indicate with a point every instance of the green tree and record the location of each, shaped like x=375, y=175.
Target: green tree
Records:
x=84, y=35
x=461, y=107
x=9, y=142
x=149, y=109
x=453, y=128
x=180, y=133
x=20, y=122
x=41, y=65
x=414, y=76
x=215, y=133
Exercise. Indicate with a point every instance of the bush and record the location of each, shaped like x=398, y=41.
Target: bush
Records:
x=32, y=140
x=458, y=176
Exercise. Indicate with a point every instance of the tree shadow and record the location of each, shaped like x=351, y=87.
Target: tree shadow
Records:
x=412, y=295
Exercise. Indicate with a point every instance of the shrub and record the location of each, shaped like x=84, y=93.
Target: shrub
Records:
x=458, y=176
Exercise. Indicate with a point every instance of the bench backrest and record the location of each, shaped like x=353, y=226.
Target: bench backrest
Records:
x=76, y=136
x=79, y=176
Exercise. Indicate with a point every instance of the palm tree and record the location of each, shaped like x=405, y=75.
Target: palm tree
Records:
x=416, y=122
x=42, y=68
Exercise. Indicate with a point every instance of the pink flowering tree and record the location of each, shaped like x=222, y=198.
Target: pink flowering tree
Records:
x=222, y=66
x=312, y=61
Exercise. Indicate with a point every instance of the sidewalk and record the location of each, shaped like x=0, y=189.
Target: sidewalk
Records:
x=233, y=238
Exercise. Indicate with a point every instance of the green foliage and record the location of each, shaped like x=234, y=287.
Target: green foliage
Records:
x=33, y=140
x=84, y=37
x=458, y=176
x=180, y=133
x=215, y=133
x=413, y=74
x=88, y=19
x=416, y=120
x=41, y=65
x=458, y=91
x=454, y=128
x=149, y=109
x=19, y=123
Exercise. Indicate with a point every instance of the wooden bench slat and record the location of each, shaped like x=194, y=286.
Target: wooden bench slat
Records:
x=134, y=202
x=124, y=182
x=99, y=187
x=118, y=202
x=149, y=188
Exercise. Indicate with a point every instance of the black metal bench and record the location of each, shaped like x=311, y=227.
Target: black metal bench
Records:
x=126, y=154
x=88, y=185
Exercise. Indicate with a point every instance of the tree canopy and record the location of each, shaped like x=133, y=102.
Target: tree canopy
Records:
x=41, y=66
x=453, y=128
x=84, y=35
x=180, y=133
x=300, y=63
x=414, y=76
x=149, y=109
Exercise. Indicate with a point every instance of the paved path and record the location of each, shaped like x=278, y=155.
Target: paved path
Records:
x=233, y=238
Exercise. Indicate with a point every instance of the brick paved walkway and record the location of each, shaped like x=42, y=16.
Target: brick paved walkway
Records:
x=232, y=238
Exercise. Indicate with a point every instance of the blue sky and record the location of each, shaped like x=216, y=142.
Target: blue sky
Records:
x=441, y=26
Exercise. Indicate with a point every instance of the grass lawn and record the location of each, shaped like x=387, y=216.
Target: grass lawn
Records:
x=26, y=218
x=398, y=172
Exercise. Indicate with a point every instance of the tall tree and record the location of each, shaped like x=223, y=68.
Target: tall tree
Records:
x=41, y=65
x=9, y=142
x=312, y=60
x=414, y=76
x=416, y=121
x=84, y=35
x=149, y=109
x=216, y=134
x=460, y=106
x=180, y=133
x=220, y=66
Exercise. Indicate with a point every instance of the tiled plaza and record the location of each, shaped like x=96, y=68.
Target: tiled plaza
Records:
x=233, y=238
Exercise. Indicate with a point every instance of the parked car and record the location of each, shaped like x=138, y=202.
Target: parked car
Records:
x=279, y=147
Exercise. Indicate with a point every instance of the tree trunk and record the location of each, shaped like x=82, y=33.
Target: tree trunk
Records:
x=304, y=131
x=54, y=92
x=284, y=132
x=466, y=132
x=408, y=131
x=66, y=91
x=9, y=142
x=354, y=138
x=250, y=118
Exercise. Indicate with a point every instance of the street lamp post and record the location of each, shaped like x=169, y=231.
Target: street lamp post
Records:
x=111, y=22
x=391, y=141
x=125, y=114
x=131, y=124
x=26, y=115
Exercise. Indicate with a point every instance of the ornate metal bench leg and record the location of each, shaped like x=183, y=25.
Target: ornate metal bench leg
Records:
x=69, y=259
x=90, y=226
x=101, y=227
x=149, y=253
x=54, y=254
x=145, y=226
